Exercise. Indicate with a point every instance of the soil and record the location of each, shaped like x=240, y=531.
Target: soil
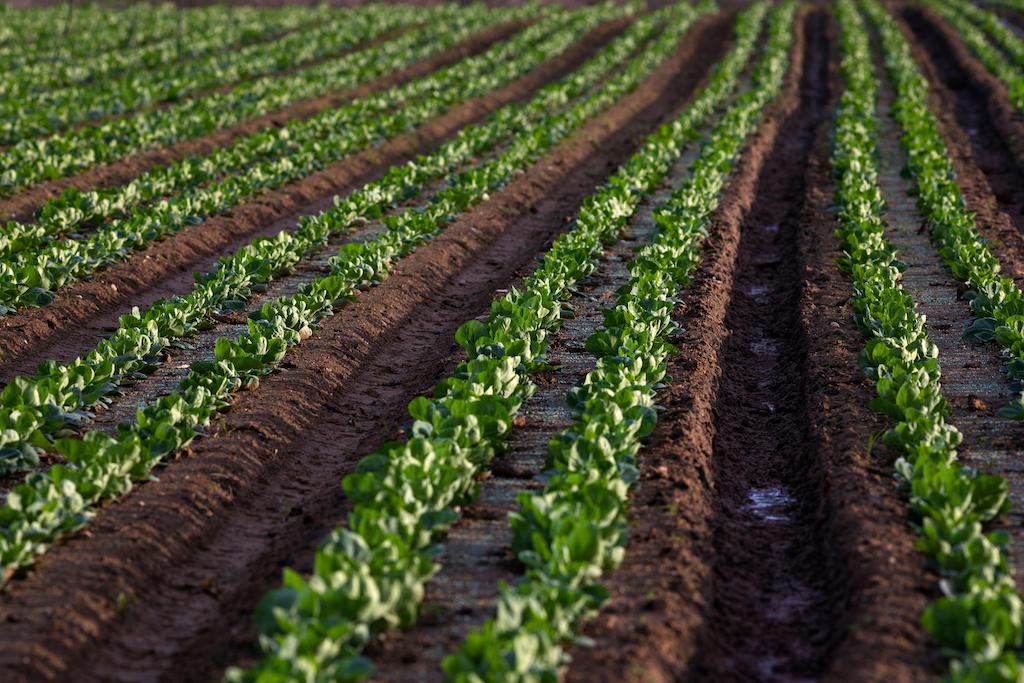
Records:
x=985, y=138
x=768, y=540
x=84, y=311
x=164, y=580
x=476, y=555
x=712, y=605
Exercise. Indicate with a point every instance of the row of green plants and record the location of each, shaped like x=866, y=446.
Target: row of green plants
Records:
x=99, y=466
x=995, y=300
x=42, y=113
x=979, y=620
x=574, y=530
x=31, y=277
x=972, y=23
x=35, y=409
x=40, y=34
x=370, y=576
x=77, y=210
x=196, y=35
x=35, y=160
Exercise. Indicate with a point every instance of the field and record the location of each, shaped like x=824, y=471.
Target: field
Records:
x=533, y=343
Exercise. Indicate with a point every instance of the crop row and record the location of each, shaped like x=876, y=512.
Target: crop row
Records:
x=370, y=576
x=574, y=530
x=197, y=35
x=35, y=160
x=76, y=210
x=979, y=620
x=269, y=160
x=99, y=466
x=42, y=113
x=47, y=34
x=973, y=23
x=995, y=300
x=37, y=408
x=403, y=493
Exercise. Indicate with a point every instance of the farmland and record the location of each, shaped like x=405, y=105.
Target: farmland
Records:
x=512, y=342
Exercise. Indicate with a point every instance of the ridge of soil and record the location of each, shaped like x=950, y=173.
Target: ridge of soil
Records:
x=776, y=587
x=651, y=630
x=264, y=489
x=476, y=551
x=973, y=380
x=963, y=77
x=84, y=312
x=667, y=566
x=23, y=205
x=984, y=138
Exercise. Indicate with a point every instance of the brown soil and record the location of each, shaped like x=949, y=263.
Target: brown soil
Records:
x=84, y=312
x=23, y=205
x=972, y=377
x=985, y=138
x=697, y=598
x=990, y=176
x=164, y=580
x=476, y=554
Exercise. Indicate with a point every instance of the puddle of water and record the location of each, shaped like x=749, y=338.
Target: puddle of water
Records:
x=758, y=290
x=771, y=228
x=770, y=406
x=770, y=504
x=767, y=668
x=764, y=346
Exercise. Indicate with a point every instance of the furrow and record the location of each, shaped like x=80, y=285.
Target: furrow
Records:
x=476, y=556
x=973, y=379
x=264, y=490
x=87, y=311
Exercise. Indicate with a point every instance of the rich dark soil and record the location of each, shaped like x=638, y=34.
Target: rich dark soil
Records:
x=990, y=175
x=476, y=551
x=834, y=593
x=163, y=582
x=984, y=135
x=86, y=311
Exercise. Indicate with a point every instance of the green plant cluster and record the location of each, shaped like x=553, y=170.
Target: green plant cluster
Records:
x=99, y=466
x=77, y=210
x=369, y=577
x=34, y=160
x=105, y=83
x=973, y=23
x=31, y=277
x=573, y=531
x=201, y=34
x=33, y=114
x=979, y=621
x=37, y=34
x=995, y=300
x=35, y=409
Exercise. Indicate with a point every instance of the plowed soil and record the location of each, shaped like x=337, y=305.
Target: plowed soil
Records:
x=768, y=540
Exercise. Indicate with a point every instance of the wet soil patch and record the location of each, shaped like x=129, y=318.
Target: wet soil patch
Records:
x=162, y=583
x=774, y=594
